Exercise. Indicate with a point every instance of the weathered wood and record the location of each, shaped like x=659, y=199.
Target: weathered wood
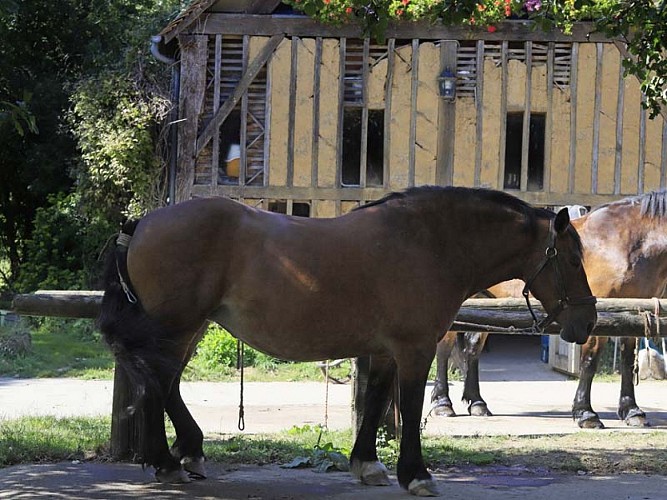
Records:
x=57, y=303
x=616, y=317
x=238, y=24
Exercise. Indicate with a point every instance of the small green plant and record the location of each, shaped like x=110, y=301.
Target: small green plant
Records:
x=219, y=349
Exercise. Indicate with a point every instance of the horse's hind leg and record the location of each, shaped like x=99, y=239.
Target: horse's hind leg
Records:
x=628, y=411
x=188, y=446
x=441, y=405
x=582, y=411
x=471, y=345
x=413, y=367
x=364, y=463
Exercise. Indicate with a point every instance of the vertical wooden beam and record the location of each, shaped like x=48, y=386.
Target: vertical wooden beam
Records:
x=619, y=131
x=294, y=61
x=317, y=80
x=243, y=133
x=391, y=61
x=548, y=125
x=479, y=112
x=663, y=156
x=525, y=132
x=364, y=113
x=574, y=76
x=444, y=170
x=642, y=148
x=503, y=118
x=341, y=114
x=595, y=154
x=414, y=81
x=217, y=70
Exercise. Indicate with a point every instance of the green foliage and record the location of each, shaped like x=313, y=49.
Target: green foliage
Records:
x=63, y=248
x=219, y=349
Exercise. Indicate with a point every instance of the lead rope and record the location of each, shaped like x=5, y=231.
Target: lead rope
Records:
x=326, y=395
x=239, y=365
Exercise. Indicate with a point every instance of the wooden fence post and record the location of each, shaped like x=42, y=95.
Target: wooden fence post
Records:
x=126, y=426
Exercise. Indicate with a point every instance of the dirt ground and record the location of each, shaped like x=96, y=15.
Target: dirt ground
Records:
x=526, y=396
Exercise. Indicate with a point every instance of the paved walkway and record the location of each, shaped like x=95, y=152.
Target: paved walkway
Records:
x=526, y=396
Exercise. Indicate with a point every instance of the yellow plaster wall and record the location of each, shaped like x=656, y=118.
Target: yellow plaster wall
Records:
x=491, y=124
x=585, y=114
x=653, y=153
x=400, y=119
x=465, y=142
x=279, y=71
x=630, y=152
x=426, y=149
x=560, y=140
x=329, y=78
x=611, y=62
x=303, y=118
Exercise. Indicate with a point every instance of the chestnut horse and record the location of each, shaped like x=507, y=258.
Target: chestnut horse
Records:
x=383, y=281
x=625, y=255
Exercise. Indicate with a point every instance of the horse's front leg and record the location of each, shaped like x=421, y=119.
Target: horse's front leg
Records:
x=582, y=411
x=441, y=405
x=628, y=411
x=364, y=463
x=413, y=367
x=472, y=346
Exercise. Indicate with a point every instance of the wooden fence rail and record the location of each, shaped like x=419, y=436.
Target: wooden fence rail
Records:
x=616, y=317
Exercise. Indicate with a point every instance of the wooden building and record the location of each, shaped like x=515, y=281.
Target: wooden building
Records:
x=291, y=115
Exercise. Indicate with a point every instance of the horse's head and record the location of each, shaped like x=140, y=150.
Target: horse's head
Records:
x=557, y=279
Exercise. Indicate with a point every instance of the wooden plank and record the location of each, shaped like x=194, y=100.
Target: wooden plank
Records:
x=251, y=72
x=574, y=82
x=243, y=133
x=479, y=111
x=446, y=119
x=504, y=84
x=388, y=86
x=215, y=161
x=317, y=81
x=363, y=157
x=492, y=142
x=663, y=156
x=293, y=76
x=191, y=102
x=412, y=138
x=373, y=193
x=549, y=118
x=235, y=24
x=642, y=149
x=620, y=97
x=338, y=179
x=525, y=132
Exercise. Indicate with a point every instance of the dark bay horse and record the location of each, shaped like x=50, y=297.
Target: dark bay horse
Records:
x=383, y=281
x=625, y=255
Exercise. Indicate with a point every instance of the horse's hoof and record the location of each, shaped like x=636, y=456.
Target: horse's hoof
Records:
x=176, y=476
x=636, y=418
x=443, y=411
x=479, y=409
x=589, y=420
x=371, y=473
x=423, y=488
x=194, y=467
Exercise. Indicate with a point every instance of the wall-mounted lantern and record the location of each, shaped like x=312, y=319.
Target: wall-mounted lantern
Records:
x=447, y=85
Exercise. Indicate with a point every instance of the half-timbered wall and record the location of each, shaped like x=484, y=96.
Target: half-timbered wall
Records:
x=325, y=123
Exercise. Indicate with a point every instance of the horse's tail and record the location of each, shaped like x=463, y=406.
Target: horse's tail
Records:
x=133, y=337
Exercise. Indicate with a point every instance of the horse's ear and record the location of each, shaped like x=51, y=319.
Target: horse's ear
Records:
x=562, y=220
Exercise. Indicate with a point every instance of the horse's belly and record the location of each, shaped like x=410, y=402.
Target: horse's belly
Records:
x=287, y=337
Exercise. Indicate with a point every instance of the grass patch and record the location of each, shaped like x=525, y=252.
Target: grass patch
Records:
x=50, y=439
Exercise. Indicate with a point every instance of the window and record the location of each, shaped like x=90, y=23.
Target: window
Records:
x=300, y=209
x=352, y=147
x=514, y=149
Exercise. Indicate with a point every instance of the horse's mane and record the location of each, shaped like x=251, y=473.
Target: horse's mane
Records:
x=530, y=213
x=498, y=197
x=653, y=204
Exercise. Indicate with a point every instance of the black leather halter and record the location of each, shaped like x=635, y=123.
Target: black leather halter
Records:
x=551, y=255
